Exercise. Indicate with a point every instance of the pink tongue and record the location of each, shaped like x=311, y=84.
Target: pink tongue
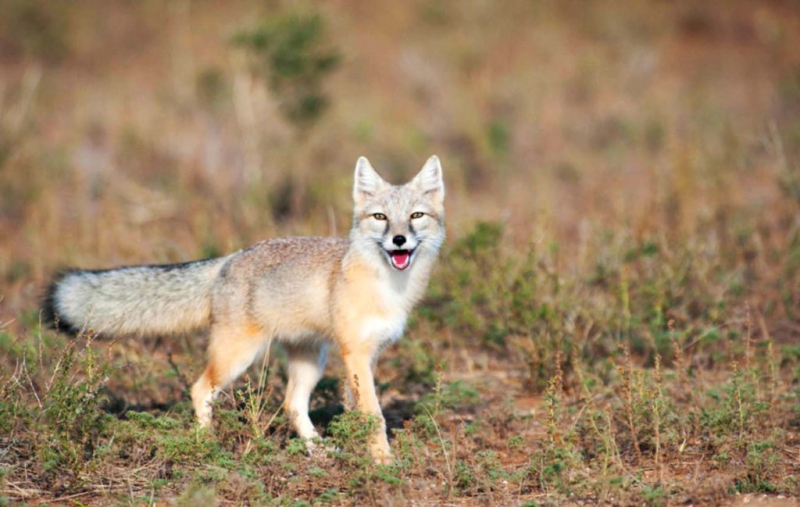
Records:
x=400, y=260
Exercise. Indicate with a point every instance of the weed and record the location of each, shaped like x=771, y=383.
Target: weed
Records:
x=71, y=410
x=296, y=446
x=351, y=432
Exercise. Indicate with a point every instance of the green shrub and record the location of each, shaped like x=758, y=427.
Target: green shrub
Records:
x=292, y=52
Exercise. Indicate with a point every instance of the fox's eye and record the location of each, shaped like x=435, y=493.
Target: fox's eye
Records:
x=379, y=216
x=417, y=214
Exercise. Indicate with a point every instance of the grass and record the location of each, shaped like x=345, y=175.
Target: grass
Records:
x=613, y=319
x=620, y=427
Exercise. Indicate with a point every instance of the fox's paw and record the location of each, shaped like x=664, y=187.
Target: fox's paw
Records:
x=318, y=449
x=203, y=426
x=381, y=453
x=383, y=459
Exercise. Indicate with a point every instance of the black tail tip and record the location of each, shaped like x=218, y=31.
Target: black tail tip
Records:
x=49, y=314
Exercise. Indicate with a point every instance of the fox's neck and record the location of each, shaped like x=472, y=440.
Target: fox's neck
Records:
x=412, y=282
x=408, y=285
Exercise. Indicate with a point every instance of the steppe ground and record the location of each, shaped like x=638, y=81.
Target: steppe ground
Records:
x=616, y=315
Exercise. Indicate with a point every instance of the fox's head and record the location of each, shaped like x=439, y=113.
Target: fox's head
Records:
x=400, y=223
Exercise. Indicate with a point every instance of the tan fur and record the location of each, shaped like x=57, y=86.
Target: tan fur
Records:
x=305, y=293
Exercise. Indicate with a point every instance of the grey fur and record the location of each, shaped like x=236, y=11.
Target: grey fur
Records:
x=135, y=300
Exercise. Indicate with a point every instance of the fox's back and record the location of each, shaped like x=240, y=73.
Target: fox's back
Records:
x=283, y=285
x=294, y=253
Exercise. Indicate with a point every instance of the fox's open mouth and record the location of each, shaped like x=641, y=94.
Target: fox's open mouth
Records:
x=400, y=259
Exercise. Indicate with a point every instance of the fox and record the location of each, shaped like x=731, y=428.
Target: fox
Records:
x=306, y=293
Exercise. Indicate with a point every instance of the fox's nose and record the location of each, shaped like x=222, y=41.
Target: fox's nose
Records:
x=399, y=240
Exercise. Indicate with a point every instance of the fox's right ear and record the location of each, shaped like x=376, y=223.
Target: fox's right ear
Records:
x=366, y=182
x=429, y=180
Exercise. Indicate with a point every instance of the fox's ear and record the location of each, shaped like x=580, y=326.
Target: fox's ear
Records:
x=366, y=182
x=429, y=180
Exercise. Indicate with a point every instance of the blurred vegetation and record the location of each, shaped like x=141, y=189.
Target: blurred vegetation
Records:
x=290, y=49
x=34, y=29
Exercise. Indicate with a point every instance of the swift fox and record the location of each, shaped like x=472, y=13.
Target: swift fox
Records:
x=306, y=293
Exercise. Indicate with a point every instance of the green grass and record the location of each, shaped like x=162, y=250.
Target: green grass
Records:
x=624, y=426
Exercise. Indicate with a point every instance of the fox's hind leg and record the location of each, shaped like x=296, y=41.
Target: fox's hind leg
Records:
x=306, y=366
x=231, y=351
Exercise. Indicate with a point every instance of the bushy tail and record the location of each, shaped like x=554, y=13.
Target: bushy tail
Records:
x=161, y=299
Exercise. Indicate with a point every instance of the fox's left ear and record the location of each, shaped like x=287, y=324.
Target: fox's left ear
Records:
x=429, y=180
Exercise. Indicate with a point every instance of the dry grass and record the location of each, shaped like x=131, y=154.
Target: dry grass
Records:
x=615, y=318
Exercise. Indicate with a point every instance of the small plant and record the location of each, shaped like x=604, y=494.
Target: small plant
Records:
x=351, y=432
x=456, y=395
x=255, y=400
x=760, y=461
x=498, y=138
x=516, y=443
x=630, y=401
x=296, y=447
x=71, y=409
x=557, y=465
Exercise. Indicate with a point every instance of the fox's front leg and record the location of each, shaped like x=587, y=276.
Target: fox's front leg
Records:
x=362, y=384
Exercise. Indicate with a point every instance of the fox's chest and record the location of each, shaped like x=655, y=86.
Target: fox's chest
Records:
x=377, y=305
x=383, y=328
x=385, y=315
x=374, y=313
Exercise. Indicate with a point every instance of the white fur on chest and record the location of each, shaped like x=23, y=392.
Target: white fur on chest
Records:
x=383, y=329
x=390, y=297
x=389, y=325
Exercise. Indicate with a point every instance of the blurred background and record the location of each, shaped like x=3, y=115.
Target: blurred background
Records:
x=623, y=200
x=150, y=132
